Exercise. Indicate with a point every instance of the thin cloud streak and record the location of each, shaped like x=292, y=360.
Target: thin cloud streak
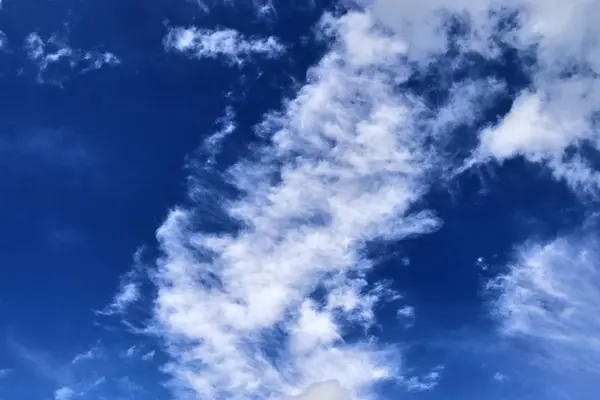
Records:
x=56, y=50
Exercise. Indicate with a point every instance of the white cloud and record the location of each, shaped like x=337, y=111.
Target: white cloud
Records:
x=550, y=296
x=131, y=351
x=347, y=159
x=424, y=383
x=406, y=312
x=226, y=43
x=227, y=126
x=92, y=353
x=530, y=132
x=129, y=291
x=557, y=113
x=97, y=60
x=500, y=377
x=328, y=390
x=148, y=356
x=4, y=372
x=56, y=50
x=64, y=393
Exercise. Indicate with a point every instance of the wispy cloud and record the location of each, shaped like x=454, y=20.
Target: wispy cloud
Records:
x=131, y=351
x=128, y=294
x=226, y=43
x=56, y=51
x=90, y=354
x=500, y=377
x=148, y=356
x=427, y=382
x=138, y=352
x=347, y=159
x=345, y=163
x=552, y=120
x=41, y=363
x=549, y=297
x=4, y=372
x=65, y=393
x=213, y=144
x=406, y=315
x=74, y=379
x=129, y=291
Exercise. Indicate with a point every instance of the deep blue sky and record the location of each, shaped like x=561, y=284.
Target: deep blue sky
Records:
x=94, y=157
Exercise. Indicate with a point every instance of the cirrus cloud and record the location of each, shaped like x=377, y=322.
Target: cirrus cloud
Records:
x=549, y=297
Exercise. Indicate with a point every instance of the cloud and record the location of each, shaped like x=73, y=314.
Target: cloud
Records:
x=64, y=393
x=346, y=161
x=329, y=390
x=213, y=144
x=406, y=312
x=129, y=291
x=553, y=121
x=148, y=356
x=225, y=43
x=4, y=372
x=40, y=363
x=425, y=383
x=499, y=377
x=406, y=315
x=128, y=294
x=56, y=51
x=549, y=297
x=76, y=378
x=92, y=353
x=131, y=351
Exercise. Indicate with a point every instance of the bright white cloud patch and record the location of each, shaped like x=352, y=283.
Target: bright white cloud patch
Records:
x=559, y=111
x=64, y=393
x=550, y=296
x=226, y=43
x=346, y=161
x=56, y=51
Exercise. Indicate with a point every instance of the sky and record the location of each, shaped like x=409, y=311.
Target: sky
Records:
x=299, y=200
